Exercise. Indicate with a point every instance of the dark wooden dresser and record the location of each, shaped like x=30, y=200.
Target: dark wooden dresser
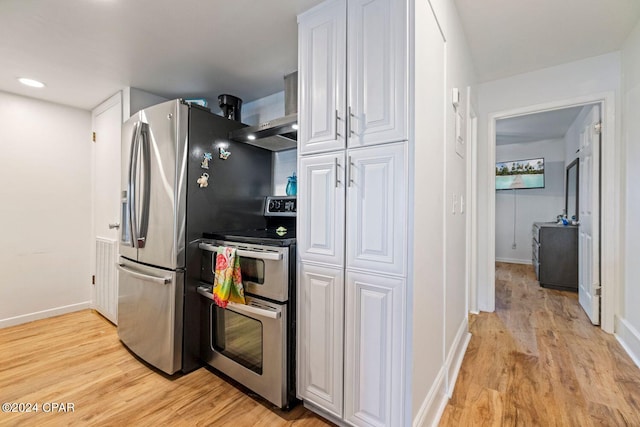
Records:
x=555, y=255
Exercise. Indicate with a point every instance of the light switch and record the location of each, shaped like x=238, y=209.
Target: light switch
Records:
x=454, y=205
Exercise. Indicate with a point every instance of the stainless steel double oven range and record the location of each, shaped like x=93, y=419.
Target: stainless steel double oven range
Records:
x=254, y=344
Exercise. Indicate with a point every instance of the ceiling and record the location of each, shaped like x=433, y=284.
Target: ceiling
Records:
x=511, y=37
x=87, y=50
x=536, y=127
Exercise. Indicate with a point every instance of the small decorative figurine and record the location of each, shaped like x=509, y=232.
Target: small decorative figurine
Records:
x=224, y=154
x=203, y=180
x=205, y=162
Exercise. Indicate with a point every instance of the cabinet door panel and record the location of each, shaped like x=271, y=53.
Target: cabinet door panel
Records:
x=320, y=336
x=322, y=68
x=321, y=209
x=374, y=345
x=377, y=62
x=376, y=211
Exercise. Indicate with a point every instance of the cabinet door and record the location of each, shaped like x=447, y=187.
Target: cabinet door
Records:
x=321, y=183
x=377, y=209
x=374, y=350
x=320, y=336
x=322, y=77
x=377, y=64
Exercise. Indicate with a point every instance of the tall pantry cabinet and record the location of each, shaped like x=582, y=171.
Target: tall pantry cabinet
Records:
x=352, y=209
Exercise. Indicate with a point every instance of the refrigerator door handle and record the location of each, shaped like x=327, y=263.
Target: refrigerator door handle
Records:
x=131, y=185
x=143, y=146
x=145, y=277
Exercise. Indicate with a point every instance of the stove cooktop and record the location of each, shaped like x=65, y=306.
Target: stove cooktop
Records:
x=265, y=236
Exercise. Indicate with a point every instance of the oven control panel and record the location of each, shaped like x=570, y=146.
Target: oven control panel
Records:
x=280, y=206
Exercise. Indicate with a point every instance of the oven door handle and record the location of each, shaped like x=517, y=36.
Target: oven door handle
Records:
x=244, y=309
x=270, y=256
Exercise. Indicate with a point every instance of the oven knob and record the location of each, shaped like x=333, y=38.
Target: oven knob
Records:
x=278, y=204
x=272, y=205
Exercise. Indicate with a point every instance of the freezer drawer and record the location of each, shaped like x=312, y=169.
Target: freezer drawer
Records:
x=150, y=313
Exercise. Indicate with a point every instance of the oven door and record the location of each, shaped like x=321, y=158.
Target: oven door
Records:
x=248, y=344
x=265, y=269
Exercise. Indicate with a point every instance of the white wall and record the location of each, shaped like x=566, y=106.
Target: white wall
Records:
x=284, y=162
x=628, y=319
x=568, y=81
x=263, y=109
x=533, y=205
x=45, y=213
x=438, y=316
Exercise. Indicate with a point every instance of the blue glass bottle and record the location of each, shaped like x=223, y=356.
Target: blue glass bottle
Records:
x=292, y=185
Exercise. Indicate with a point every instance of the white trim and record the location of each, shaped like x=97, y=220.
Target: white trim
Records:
x=514, y=261
x=629, y=339
x=104, y=106
x=24, y=318
x=610, y=202
x=456, y=355
x=433, y=405
x=472, y=205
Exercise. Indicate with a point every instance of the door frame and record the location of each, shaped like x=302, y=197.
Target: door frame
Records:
x=101, y=108
x=472, y=205
x=610, y=201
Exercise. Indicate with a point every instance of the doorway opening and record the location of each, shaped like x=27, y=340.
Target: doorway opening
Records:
x=605, y=214
x=538, y=208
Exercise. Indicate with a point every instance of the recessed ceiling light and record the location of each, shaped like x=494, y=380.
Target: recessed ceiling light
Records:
x=251, y=137
x=30, y=82
x=294, y=126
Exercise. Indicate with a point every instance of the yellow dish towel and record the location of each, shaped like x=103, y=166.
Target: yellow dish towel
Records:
x=227, y=282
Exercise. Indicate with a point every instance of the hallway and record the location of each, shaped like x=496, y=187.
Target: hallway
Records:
x=538, y=361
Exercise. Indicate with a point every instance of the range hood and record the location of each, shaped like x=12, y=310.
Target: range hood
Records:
x=278, y=134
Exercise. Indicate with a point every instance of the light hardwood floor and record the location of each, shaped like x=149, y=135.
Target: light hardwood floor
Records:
x=538, y=361
x=77, y=358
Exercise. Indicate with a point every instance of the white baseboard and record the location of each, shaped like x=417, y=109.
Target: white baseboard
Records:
x=18, y=320
x=629, y=338
x=433, y=406
x=514, y=261
x=456, y=355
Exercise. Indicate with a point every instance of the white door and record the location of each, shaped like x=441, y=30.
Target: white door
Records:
x=321, y=208
x=377, y=208
x=107, y=122
x=320, y=336
x=589, y=217
x=377, y=64
x=374, y=349
x=322, y=67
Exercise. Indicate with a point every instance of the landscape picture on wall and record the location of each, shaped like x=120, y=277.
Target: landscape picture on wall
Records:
x=520, y=174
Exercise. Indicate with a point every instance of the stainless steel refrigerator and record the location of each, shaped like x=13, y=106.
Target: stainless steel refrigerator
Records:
x=165, y=210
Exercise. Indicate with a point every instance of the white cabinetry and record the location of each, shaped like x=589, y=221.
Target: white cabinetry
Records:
x=377, y=68
x=372, y=108
x=376, y=210
x=374, y=349
x=352, y=209
x=321, y=186
x=322, y=50
x=320, y=336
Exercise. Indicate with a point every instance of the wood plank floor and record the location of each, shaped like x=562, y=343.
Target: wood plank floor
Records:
x=538, y=361
x=77, y=358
